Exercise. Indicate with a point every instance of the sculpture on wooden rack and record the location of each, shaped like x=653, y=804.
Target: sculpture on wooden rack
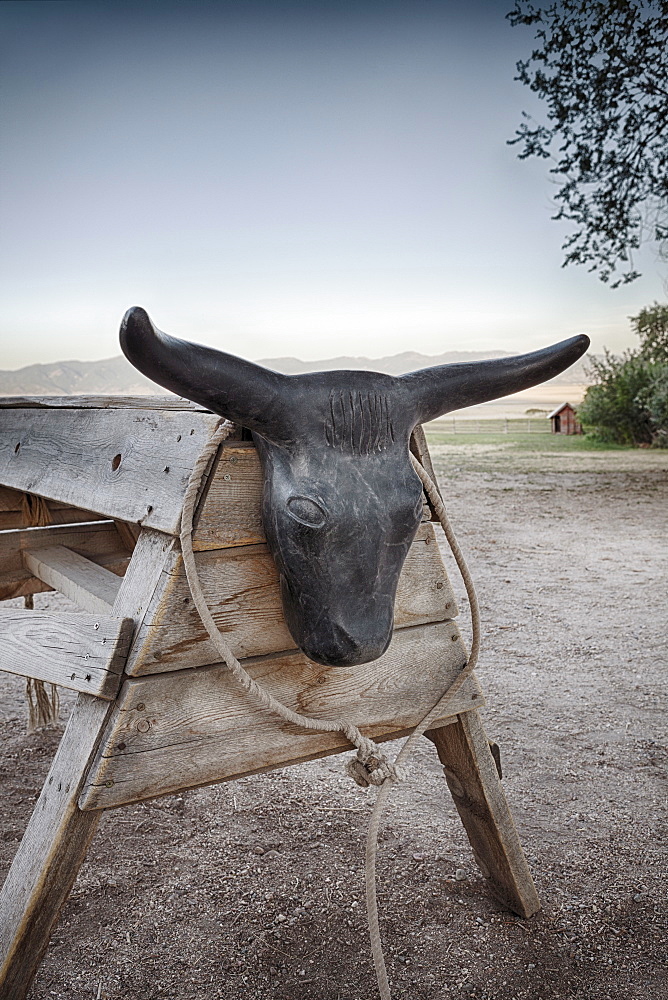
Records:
x=341, y=501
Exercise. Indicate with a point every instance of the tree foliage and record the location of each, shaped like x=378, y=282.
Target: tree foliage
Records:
x=628, y=403
x=602, y=70
x=613, y=409
x=651, y=326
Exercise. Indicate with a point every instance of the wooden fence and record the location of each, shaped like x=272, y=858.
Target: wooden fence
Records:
x=501, y=425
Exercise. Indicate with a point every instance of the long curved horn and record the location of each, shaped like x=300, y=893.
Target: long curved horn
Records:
x=239, y=390
x=434, y=391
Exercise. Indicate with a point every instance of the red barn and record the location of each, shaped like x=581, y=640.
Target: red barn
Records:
x=564, y=420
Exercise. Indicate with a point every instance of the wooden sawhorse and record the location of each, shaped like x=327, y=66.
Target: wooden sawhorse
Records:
x=146, y=723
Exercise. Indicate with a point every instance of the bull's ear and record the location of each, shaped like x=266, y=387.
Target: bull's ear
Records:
x=434, y=391
x=239, y=390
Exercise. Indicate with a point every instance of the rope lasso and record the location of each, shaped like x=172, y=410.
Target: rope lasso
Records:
x=370, y=766
x=370, y=761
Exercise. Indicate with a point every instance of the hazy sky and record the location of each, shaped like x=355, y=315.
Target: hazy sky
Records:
x=307, y=178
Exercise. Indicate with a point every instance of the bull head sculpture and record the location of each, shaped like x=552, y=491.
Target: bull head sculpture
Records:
x=341, y=500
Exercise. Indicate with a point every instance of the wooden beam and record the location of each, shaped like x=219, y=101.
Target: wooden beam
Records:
x=78, y=651
x=90, y=586
x=420, y=449
x=54, y=844
x=473, y=779
x=98, y=541
x=147, y=402
x=50, y=854
x=242, y=590
x=194, y=727
x=20, y=584
x=130, y=464
x=229, y=512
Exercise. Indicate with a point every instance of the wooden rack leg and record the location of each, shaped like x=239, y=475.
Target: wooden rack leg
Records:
x=475, y=786
x=50, y=854
x=58, y=834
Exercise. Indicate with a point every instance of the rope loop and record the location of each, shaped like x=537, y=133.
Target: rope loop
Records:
x=371, y=767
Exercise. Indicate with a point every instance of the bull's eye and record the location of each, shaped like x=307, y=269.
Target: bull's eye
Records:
x=306, y=511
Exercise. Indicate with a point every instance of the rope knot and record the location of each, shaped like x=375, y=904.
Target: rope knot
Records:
x=370, y=766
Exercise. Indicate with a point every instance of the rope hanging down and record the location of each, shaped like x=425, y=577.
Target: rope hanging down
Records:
x=370, y=766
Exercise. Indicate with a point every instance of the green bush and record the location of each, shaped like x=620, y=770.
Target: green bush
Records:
x=655, y=400
x=628, y=403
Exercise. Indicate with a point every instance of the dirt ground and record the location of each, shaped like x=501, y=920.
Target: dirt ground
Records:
x=254, y=889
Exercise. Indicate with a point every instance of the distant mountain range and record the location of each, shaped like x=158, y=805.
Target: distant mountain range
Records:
x=116, y=376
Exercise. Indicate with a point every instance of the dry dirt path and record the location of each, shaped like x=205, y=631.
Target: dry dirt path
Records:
x=255, y=889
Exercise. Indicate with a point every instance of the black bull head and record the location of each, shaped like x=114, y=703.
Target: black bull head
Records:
x=341, y=501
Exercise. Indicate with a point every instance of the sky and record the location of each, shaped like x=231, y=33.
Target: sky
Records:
x=275, y=178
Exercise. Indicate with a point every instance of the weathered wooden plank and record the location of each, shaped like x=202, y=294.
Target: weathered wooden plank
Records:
x=98, y=541
x=91, y=539
x=24, y=583
x=241, y=588
x=50, y=854
x=420, y=449
x=78, y=651
x=474, y=783
x=129, y=464
x=180, y=730
x=89, y=585
x=147, y=402
x=58, y=834
x=147, y=567
x=229, y=513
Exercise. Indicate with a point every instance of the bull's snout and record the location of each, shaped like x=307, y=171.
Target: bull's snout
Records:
x=339, y=630
x=335, y=646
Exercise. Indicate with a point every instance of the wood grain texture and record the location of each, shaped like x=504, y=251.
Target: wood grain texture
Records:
x=150, y=558
x=474, y=783
x=50, y=853
x=241, y=589
x=90, y=586
x=130, y=464
x=101, y=402
x=55, y=842
x=180, y=730
x=420, y=449
x=98, y=541
x=78, y=651
x=229, y=513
